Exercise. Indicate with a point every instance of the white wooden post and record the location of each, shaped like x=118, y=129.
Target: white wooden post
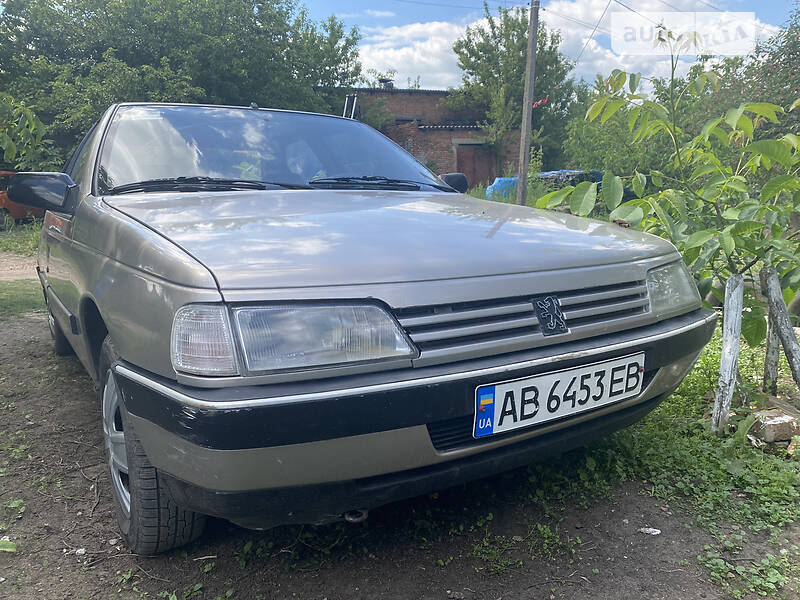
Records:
x=731, y=331
x=771, y=286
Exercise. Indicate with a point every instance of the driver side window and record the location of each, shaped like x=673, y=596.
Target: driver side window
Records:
x=76, y=167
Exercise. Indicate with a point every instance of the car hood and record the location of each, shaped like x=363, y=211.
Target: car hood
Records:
x=298, y=238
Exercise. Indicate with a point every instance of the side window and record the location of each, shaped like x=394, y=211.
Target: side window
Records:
x=76, y=167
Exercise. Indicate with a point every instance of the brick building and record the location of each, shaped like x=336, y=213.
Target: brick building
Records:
x=445, y=141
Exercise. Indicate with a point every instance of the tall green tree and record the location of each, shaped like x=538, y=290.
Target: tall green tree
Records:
x=492, y=56
x=71, y=58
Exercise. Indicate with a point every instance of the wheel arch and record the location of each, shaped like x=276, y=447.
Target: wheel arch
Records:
x=95, y=331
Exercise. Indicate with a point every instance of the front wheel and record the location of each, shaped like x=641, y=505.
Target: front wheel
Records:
x=149, y=520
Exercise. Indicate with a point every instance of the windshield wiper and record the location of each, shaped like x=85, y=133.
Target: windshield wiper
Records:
x=195, y=183
x=377, y=180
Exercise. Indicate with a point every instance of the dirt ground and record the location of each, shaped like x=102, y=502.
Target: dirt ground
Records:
x=14, y=267
x=51, y=459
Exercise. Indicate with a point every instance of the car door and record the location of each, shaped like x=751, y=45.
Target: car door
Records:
x=62, y=293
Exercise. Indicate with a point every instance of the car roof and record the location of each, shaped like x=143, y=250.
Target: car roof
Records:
x=265, y=109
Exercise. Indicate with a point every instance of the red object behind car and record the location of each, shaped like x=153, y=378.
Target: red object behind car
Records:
x=15, y=211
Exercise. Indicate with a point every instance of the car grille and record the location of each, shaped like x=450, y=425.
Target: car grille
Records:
x=449, y=331
x=454, y=434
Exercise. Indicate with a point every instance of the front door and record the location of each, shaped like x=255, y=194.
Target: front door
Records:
x=57, y=230
x=477, y=163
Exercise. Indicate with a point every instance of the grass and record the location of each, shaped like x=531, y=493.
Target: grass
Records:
x=21, y=237
x=20, y=296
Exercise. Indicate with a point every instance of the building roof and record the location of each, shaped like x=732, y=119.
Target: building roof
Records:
x=450, y=126
x=402, y=91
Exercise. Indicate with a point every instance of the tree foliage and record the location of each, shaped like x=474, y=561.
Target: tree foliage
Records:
x=71, y=58
x=492, y=56
x=769, y=75
x=21, y=132
x=608, y=145
x=726, y=202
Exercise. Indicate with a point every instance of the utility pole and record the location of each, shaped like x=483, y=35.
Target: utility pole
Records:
x=527, y=101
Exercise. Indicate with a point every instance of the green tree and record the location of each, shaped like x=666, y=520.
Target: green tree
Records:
x=70, y=58
x=21, y=133
x=81, y=92
x=726, y=205
x=769, y=75
x=608, y=146
x=492, y=56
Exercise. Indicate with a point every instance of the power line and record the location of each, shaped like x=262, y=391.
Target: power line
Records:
x=563, y=16
x=633, y=10
x=578, y=21
x=552, y=12
x=710, y=5
x=672, y=6
x=577, y=60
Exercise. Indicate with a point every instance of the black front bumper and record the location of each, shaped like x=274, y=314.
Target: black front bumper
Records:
x=274, y=424
x=324, y=503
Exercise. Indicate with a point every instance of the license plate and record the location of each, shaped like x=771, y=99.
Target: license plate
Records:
x=519, y=403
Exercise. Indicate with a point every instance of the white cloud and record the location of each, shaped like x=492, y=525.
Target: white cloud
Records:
x=379, y=13
x=417, y=49
x=425, y=49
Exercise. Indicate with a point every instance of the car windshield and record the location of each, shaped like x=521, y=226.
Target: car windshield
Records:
x=146, y=143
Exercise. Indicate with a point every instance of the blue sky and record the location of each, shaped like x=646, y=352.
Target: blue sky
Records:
x=415, y=37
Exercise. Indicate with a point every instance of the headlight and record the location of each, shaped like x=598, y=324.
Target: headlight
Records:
x=672, y=290
x=202, y=341
x=304, y=336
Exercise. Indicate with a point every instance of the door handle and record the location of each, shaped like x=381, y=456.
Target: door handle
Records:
x=55, y=228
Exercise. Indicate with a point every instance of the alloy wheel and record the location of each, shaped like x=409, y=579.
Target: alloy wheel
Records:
x=115, y=443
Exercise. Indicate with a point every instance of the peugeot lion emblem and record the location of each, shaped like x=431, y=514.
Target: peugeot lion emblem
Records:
x=551, y=318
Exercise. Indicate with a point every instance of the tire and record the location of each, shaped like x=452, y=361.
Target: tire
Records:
x=61, y=345
x=149, y=519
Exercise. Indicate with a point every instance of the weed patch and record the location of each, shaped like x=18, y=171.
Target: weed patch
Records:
x=763, y=576
x=494, y=551
x=547, y=542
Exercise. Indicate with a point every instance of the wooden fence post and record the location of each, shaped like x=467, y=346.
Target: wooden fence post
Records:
x=731, y=331
x=771, y=287
x=770, y=383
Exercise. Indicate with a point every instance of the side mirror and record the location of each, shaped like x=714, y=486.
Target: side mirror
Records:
x=50, y=191
x=457, y=181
